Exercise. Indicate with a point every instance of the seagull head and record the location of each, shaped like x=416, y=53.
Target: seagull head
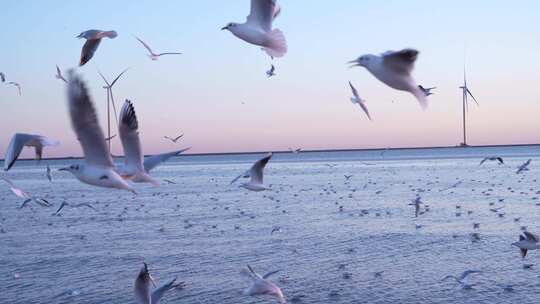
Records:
x=229, y=26
x=363, y=60
x=145, y=277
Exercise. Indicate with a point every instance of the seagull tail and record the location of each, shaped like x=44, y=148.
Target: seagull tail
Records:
x=145, y=178
x=277, y=45
x=421, y=97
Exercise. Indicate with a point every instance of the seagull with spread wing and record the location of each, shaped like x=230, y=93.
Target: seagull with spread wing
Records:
x=21, y=140
x=256, y=174
x=143, y=287
x=152, y=55
x=17, y=85
x=358, y=100
x=394, y=69
x=93, y=39
x=59, y=74
x=427, y=91
x=492, y=158
x=271, y=72
x=462, y=279
x=64, y=204
x=524, y=166
x=25, y=195
x=260, y=285
x=98, y=168
x=527, y=241
x=258, y=30
x=174, y=139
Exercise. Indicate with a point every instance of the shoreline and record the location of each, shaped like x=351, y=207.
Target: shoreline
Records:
x=306, y=151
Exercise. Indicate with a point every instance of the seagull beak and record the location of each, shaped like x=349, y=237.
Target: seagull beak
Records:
x=353, y=63
x=225, y=28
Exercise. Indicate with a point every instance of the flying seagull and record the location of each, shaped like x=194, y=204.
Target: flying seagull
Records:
x=394, y=69
x=74, y=206
x=270, y=72
x=260, y=285
x=295, y=151
x=98, y=168
x=416, y=203
x=462, y=279
x=427, y=91
x=527, y=241
x=16, y=84
x=153, y=161
x=175, y=139
x=59, y=74
x=153, y=55
x=358, y=100
x=256, y=174
x=143, y=287
x=21, y=140
x=25, y=195
x=93, y=39
x=493, y=158
x=524, y=166
x=258, y=30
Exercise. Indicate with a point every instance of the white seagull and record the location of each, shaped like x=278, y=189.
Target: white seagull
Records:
x=427, y=91
x=175, y=139
x=527, y=241
x=462, y=280
x=524, y=166
x=153, y=161
x=25, y=195
x=260, y=285
x=256, y=174
x=295, y=151
x=394, y=69
x=49, y=174
x=16, y=84
x=358, y=100
x=153, y=55
x=59, y=74
x=258, y=30
x=98, y=168
x=93, y=39
x=21, y=140
x=271, y=72
x=492, y=158
x=143, y=287
x=75, y=206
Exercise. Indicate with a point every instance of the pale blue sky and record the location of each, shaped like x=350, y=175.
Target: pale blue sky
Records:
x=306, y=105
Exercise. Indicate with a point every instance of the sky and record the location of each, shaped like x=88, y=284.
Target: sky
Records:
x=217, y=92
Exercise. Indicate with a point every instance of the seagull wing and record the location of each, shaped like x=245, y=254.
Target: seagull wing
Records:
x=256, y=171
x=158, y=293
x=354, y=91
x=245, y=175
x=266, y=276
x=364, y=107
x=85, y=124
x=169, y=53
x=531, y=236
x=484, y=160
x=468, y=272
x=129, y=135
x=155, y=160
x=145, y=45
x=401, y=61
x=262, y=14
x=88, y=50
x=500, y=160
x=18, y=141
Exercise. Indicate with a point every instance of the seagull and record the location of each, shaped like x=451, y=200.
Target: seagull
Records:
x=462, y=280
x=261, y=285
x=524, y=166
x=98, y=168
x=49, y=173
x=25, y=195
x=128, y=129
x=258, y=30
x=59, y=74
x=21, y=140
x=427, y=91
x=93, y=39
x=527, y=241
x=17, y=85
x=394, y=69
x=453, y=186
x=256, y=174
x=153, y=55
x=110, y=137
x=275, y=229
x=347, y=177
x=358, y=100
x=493, y=158
x=143, y=287
x=270, y=72
x=416, y=203
x=75, y=206
x=295, y=151
x=2, y=77
x=175, y=139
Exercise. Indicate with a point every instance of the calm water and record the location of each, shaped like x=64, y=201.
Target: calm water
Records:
x=203, y=230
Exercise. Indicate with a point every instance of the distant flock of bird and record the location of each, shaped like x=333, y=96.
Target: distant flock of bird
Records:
x=393, y=68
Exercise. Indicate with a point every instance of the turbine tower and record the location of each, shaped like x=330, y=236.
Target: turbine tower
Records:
x=466, y=93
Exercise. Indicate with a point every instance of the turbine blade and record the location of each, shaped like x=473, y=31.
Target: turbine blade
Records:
x=104, y=79
x=118, y=77
x=469, y=92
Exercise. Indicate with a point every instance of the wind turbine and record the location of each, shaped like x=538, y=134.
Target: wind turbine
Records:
x=109, y=87
x=466, y=93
